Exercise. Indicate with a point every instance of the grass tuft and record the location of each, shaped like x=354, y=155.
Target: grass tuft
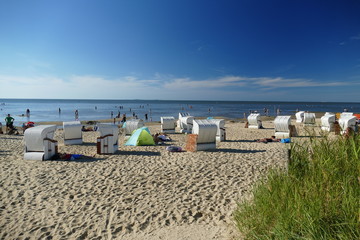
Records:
x=317, y=198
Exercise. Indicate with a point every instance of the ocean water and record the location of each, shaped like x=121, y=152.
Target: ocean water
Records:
x=48, y=109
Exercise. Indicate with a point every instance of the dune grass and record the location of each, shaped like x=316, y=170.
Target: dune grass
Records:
x=317, y=198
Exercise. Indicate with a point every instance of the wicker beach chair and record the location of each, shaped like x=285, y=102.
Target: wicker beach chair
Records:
x=108, y=142
x=185, y=122
x=347, y=121
x=131, y=126
x=203, y=136
x=40, y=143
x=282, y=126
x=167, y=124
x=72, y=133
x=254, y=120
x=327, y=122
x=221, y=132
x=299, y=116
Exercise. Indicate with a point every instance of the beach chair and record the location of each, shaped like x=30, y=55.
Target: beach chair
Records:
x=254, y=120
x=167, y=124
x=282, y=126
x=327, y=122
x=221, y=133
x=131, y=126
x=203, y=136
x=72, y=133
x=40, y=143
x=299, y=116
x=347, y=121
x=309, y=119
x=185, y=122
x=344, y=114
x=108, y=142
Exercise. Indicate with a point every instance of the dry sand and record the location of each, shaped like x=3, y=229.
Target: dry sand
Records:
x=140, y=192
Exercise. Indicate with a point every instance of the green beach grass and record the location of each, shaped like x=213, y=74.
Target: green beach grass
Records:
x=317, y=198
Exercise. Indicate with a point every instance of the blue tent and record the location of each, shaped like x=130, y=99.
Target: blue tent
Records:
x=140, y=137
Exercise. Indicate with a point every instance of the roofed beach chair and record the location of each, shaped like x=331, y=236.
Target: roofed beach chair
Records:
x=72, y=133
x=254, y=120
x=347, y=121
x=40, y=143
x=203, y=136
x=344, y=114
x=282, y=126
x=167, y=124
x=309, y=119
x=185, y=122
x=299, y=116
x=327, y=122
x=221, y=133
x=131, y=126
x=108, y=142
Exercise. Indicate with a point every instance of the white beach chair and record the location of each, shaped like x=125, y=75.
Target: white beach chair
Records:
x=108, y=142
x=347, y=121
x=309, y=119
x=72, y=133
x=205, y=132
x=185, y=122
x=327, y=122
x=344, y=114
x=131, y=126
x=167, y=124
x=254, y=120
x=221, y=133
x=40, y=143
x=282, y=126
x=299, y=116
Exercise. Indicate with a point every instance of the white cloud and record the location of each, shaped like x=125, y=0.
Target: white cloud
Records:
x=161, y=87
x=357, y=37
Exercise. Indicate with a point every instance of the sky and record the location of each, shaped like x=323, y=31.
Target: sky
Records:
x=245, y=50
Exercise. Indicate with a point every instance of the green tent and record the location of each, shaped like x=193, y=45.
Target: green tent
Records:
x=140, y=137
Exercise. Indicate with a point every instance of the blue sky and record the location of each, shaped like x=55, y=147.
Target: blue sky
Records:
x=274, y=50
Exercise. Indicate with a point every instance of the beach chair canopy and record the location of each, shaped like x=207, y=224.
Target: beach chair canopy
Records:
x=183, y=114
x=167, y=123
x=39, y=142
x=72, y=132
x=327, y=120
x=220, y=124
x=34, y=137
x=299, y=116
x=141, y=137
x=345, y=114
x=206, y=131
x=347, y=121
x=108, y=129
x=254, y=120
x=132, y=125
x=309, y=118
x=282, y=123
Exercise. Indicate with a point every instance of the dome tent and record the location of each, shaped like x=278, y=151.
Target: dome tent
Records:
x=140, y=137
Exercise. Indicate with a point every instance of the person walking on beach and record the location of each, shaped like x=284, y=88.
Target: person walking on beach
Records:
x=76, y=115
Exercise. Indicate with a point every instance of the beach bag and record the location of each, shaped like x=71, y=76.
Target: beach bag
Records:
x=285, y=140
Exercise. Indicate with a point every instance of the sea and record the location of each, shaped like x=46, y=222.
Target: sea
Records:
x=45, y=110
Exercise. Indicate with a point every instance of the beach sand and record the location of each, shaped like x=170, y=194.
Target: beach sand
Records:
x=139, y=192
